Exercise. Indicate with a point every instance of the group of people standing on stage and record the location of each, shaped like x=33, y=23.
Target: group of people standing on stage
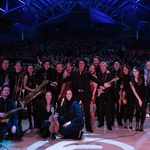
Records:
x=116, y=93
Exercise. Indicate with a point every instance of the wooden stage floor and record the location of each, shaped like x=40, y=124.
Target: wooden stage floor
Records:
x=117, y=139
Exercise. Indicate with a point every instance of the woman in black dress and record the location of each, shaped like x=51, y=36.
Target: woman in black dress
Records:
x=70, y=118
x=128, y=108
x=138, y=88
x=29, y=86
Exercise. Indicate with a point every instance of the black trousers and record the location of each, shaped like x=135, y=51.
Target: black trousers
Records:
x=141, y=111
x=20, y=114
x=129, y=109
x=86, y=100
x=104, y=105
x=117, y=109
x=32, y=109
x=148, y=95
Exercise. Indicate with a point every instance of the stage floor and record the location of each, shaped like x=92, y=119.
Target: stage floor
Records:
x=117, y=139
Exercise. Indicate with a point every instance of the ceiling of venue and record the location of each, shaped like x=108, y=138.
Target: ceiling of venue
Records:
x=73, y=15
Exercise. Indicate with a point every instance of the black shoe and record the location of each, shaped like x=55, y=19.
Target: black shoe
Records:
x=120, y=124
x=130, y=125
x=30, y=126
x=100, y=125
x=125, y=125
x=141, y=128
x=53, y=135
x=137, y=126
x=89, y=130
x=80, y=135
x=109, y=127
x=36, y=126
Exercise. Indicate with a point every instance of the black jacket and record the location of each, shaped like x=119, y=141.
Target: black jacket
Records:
x=71, y=111
x=81, y=82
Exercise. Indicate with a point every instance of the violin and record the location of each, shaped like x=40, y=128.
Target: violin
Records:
x=122, y=99
x=54, y=124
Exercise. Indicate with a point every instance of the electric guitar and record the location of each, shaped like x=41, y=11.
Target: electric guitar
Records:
x=102, y=89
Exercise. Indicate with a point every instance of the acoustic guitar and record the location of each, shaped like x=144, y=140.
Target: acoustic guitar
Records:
x=6, y=119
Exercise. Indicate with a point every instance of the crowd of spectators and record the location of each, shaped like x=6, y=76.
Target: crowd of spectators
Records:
x=68, y=50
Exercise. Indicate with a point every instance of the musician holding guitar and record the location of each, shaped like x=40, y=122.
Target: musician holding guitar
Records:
x=104, y=100
x=8, y=125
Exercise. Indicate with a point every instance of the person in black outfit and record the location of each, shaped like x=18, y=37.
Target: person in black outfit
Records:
x=147, y=83
x=46, y=110
x=6, y=104
x=138, y=88
x=96, y=62
x=58, y=77
x=116, y=72
x=81, y=89
x=16, y=86
x=129, y=106
x=104, y=101
x=70, y=117
x=4, y=72
x=45, y=73
x=29, y=84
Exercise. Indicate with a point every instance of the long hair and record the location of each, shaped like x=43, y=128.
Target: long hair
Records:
x=139, y=76
x=125, y=66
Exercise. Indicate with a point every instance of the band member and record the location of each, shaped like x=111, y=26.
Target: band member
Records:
x=104, y=101
x=93, y=86
x=129, y=106
x=58, y=77
x=48, y=125
x=29, y=86
x=65, y=86
x=116, y=72
x=70, y=118
x=16, y=86
x=45, y=73
x=6, y=105
x=96, y=62
x=4, y=72
x=138, y=88
x=81, y=89
x=147, y=83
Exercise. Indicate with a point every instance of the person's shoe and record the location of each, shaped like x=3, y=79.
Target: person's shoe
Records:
x=100, y=125
x=130, y=125
x=141, y=128
x=137, y=126
x=109, y=127
x=80, y=135
x=54, y=135
x=125, y=125
x=120, y=124
x=30, y=126
x=89, y=130
x=36, y=126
